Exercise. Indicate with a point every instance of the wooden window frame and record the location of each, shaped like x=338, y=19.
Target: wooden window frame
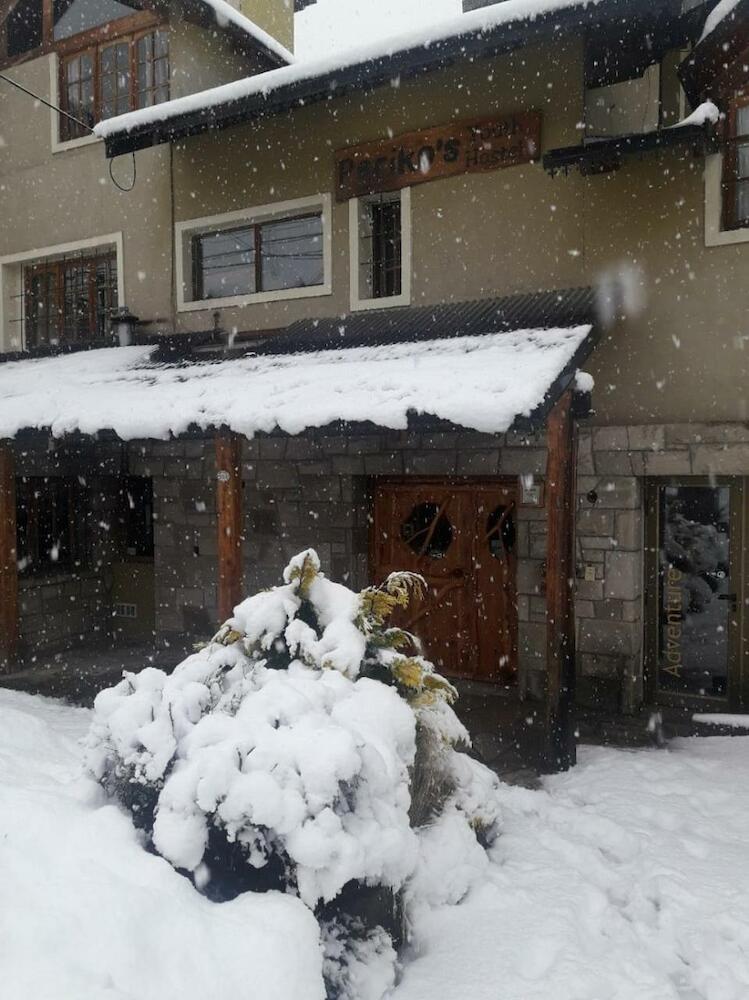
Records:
x=68, y=131
x=141, y=20
x=198, y=284
x=729, y=220
x=59, y=268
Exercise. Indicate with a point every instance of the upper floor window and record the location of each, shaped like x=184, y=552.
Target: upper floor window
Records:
x=69, y=301
x=736, y=166
x=272, y=256
x=111, y=79
x=380, y=249
x=35, y=27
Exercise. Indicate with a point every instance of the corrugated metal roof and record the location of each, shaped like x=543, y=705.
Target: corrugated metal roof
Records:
x=409, y=324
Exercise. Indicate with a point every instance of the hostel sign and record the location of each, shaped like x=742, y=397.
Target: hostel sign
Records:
x=464, y=147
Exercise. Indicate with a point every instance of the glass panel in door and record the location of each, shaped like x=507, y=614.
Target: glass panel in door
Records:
x=696, y=593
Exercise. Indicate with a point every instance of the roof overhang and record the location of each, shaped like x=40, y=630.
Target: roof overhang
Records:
x=604, y=155
x=714, y=66
x=512, y=25
x=489, y=383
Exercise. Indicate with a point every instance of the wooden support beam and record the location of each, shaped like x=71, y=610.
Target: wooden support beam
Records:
x=559, y=738
x=8, y=560
x=229, y=508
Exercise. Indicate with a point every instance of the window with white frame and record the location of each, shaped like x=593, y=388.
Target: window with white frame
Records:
x=380, y=249
x=265, y=253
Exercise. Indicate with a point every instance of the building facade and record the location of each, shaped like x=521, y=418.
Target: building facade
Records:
x=373, y=201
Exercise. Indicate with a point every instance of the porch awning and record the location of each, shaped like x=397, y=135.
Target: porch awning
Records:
x=489, y=383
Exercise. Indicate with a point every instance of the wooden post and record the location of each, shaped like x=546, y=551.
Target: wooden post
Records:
x=559, y=738
x=229, y=509
x=8, y=560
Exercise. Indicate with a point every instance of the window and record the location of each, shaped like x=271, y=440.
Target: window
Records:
x=69, y=301
x=271, y=256
x=380, y=239
x=152, y=61
x=136, y=516
x=112, y=79
x=380, y=249
x=28, y=30
x=51, y=524
x=735, y=186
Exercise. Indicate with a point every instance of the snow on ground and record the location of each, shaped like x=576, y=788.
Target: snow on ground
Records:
x=626, y=879
x=479, y=382
x=87, y=914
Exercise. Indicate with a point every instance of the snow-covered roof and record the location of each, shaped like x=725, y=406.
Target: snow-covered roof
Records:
x=717, y=15
x=483, y=20
x=227, y=15
x=479, y=382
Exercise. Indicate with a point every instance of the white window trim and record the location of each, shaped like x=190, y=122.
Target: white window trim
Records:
x=714, y=235
x=404, y=299
x=54, y=90
x=14, y=261
x=184, y=231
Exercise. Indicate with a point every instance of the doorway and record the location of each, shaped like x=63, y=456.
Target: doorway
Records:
x=694, y=594
x=461, y=539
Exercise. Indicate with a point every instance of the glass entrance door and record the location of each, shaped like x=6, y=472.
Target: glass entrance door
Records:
x=696, y=577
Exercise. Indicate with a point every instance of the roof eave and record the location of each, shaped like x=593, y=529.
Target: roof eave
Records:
x=371, y=74
x=702, y=71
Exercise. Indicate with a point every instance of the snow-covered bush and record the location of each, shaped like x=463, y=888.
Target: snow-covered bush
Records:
x=301, y=750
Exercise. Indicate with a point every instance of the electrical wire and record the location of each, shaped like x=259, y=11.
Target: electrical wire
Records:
x=46, y=103
x=72, y=118
x=114, y=180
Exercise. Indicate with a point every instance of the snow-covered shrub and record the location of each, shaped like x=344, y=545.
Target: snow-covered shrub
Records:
x=301, y=749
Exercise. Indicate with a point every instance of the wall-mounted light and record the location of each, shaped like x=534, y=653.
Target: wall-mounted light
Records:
x=123, y=323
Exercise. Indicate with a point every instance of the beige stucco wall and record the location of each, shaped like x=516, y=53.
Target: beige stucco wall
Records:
x=274, y=16
x=683, y=357
x=680, y=355
x=60, y=197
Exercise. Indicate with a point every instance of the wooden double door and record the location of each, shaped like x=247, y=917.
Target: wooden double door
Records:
x=461, y=539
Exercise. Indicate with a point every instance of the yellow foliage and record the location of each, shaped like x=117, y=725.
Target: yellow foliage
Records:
x=408, y=672
x=306, y=574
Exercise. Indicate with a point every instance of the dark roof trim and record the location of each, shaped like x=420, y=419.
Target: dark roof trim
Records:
x=403, y=64
x=712, y=60
x=602, y=155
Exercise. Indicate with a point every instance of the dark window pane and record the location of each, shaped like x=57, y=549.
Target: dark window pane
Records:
x=74, y=16
x=115, y=80
x=380, y=248
x=51, y=524
x=291, y=253
x=152, y=56
x=70, y=301
x=694, y=589
x=24, y=27
x=225, y=264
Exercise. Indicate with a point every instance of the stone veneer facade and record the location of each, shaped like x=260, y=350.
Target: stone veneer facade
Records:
x=315, y=489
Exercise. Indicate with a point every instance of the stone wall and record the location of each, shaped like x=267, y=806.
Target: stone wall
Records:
x=613, y=466
x=315, y=490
